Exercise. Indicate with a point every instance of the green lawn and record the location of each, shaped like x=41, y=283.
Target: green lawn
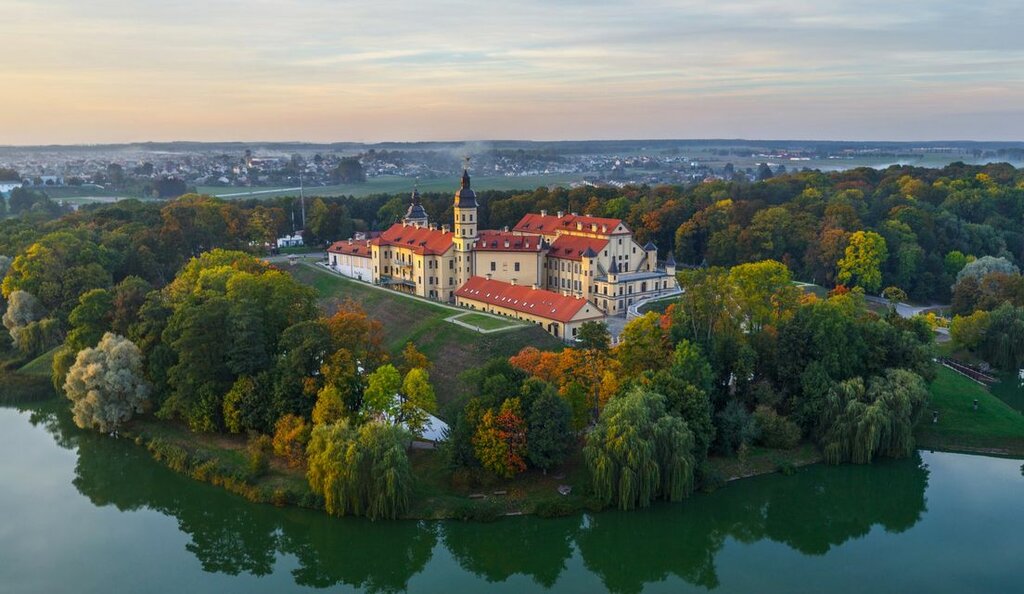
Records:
x=41, y=366
x=487, y=322
x=658, y=305
x=994, y=428
x=452, y=349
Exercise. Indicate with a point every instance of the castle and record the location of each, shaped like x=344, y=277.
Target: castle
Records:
x=557, y=270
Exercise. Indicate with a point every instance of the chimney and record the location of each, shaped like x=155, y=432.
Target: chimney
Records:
x=444, y=228
x=506, y=228
x=561, y=214
x=488, y=276
x=574, y=214
x=543, y=213
x=350, y=242
x=513, y=282
x=534, y=286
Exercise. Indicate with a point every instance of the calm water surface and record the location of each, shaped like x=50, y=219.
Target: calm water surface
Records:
x=84, y=513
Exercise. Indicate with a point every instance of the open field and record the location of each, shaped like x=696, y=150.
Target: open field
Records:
x=995, y=428
x=452, y=349
x=393, y=184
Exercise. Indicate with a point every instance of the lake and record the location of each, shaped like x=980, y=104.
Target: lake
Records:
x=87, y=513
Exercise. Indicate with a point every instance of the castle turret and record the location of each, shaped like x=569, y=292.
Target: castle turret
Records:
x=652, y=256
x=588, y=264
x=465, y=228
x=416, y=215
x=670, y=264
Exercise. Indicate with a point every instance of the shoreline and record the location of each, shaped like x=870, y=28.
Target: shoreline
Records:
x=219, y=460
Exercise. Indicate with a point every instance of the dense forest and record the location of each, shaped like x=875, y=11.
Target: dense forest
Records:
x=164, y=307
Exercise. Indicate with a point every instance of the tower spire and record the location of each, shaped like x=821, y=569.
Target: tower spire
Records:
x=465, y=171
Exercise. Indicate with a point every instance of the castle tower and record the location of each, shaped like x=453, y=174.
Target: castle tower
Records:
x=465, y=228
x=416, y=215
x=652, y=256
x=670, y=265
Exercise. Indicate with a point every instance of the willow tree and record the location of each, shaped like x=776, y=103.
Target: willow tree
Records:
x=639, y=452
x=876, y=418
x=363, y=472
x=106, y=384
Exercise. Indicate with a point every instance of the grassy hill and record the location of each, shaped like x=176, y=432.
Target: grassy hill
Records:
x=994, y=428
x=453, y=349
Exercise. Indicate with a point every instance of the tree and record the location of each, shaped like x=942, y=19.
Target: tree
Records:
x=1003, y=344
x=417, y=400
x=775, y=430
x=329, y=406
x=360, y=472
x=873, y=418
x=968, y=332
x=862, y=262
x=412, y=358
x=106, y=385
x=500, y=440
x=58, y=268
x=638, y=452
x=291, y=434
x=90, y=319
x=248, y=405
x=594, y=336
x=349, y=171
x=22, y=309
x=643, y=345
x=548, y=429
x=764, y=292
x=381, y=400
x=736, y=428
x=984, y=266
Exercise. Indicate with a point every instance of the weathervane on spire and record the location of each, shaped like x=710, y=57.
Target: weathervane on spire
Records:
x=465, y=162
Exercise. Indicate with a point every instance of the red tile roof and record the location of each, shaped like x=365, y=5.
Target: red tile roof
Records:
x=552, y=224
x=421, y=240
x=352, y=248
x=571, y=247
x=502, y=241
x=537, y=302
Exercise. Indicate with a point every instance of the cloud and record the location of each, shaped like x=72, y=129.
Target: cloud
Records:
x=328, y=70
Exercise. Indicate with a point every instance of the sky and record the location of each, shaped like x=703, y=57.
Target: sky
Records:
x=378, y=70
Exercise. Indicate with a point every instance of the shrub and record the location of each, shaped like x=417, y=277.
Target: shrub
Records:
x=258, y=450
x=775, y=430
x=736, y=428
x=554, y=508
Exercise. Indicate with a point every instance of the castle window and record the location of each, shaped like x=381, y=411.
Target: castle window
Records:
x=517, y=266
x=493, y=266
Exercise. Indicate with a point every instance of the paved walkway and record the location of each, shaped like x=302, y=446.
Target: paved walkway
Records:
x=905, y=310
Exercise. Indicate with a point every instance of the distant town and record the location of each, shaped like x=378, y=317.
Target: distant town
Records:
x=166, y=170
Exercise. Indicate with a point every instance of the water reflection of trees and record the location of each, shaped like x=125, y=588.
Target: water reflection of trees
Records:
x=537, y=548
x=232, y=536
x=811, y=512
